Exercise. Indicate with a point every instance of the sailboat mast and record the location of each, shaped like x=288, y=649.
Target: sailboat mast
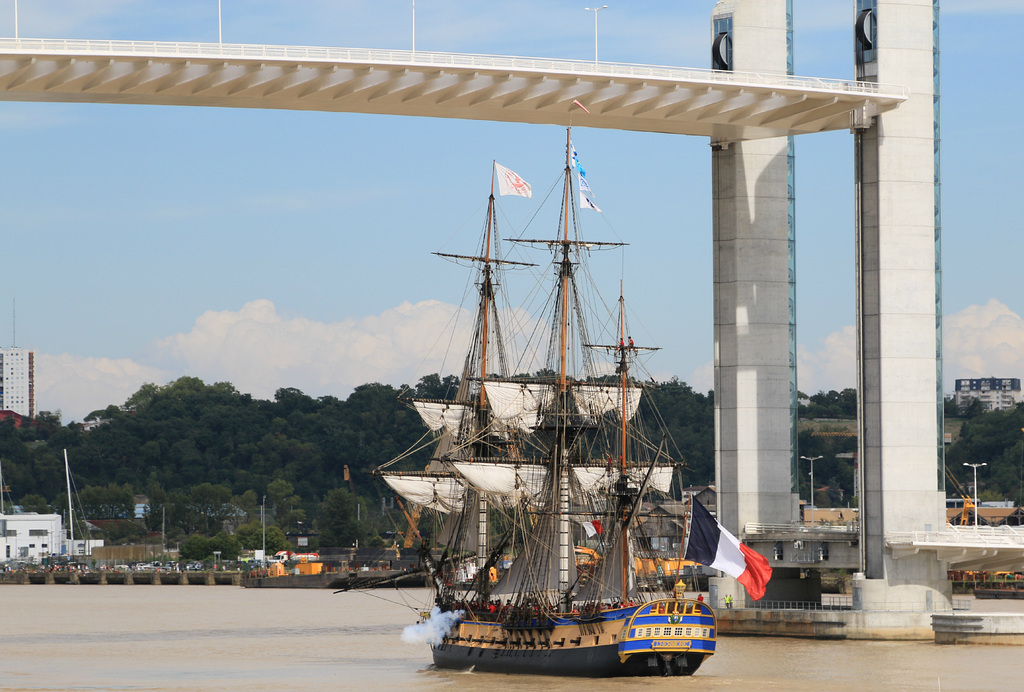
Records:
x=71, y=514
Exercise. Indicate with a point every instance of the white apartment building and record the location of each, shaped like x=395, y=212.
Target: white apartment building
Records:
x=994, y=393
x=31, y=537
x=17, y=381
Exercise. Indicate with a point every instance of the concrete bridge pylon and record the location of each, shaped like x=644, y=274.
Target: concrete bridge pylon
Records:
x=898, y=275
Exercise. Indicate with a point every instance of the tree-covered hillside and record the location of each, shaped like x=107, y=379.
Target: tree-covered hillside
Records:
x=203, y=454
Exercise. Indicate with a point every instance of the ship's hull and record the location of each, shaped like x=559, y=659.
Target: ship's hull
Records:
x=590, y=662
x=664, y=638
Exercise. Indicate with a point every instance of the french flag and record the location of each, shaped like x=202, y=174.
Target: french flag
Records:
x=710, y=544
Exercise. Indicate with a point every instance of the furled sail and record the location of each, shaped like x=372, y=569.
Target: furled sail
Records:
x=517, y=481
x=593, y=479
x=442, y=493
x=442, y=414
x=518, y=403
x=596, y=399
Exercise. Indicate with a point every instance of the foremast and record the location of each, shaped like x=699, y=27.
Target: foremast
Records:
x=465, y=422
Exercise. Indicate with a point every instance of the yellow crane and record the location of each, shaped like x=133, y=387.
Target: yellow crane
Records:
x=413, y=519
x=965, y=515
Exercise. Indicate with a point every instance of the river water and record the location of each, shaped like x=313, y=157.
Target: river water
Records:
x=62, y=637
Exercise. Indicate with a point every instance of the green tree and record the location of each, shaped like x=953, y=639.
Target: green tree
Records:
x=196, y=547
x=250, y=537
x=47, y=422
x=123, y=532
x=35, y=503
x=212, y=504
x=227, y=545
x=338, y=526
x=111, y=501
x=286, y=504
x=248, y=504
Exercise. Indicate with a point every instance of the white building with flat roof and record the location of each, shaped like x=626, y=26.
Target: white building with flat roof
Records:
x=994, y=393
x=31, y=537
x=17, y=381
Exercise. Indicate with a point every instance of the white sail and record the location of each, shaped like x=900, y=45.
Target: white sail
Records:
x=596, y=399
x=593, y=479
x=448, y=415
x=516, y=481
x=519, y=403
x=442, y=493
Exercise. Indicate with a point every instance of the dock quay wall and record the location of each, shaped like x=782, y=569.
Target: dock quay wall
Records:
x=205, y=578
x=1005, y=629
x=825, y=624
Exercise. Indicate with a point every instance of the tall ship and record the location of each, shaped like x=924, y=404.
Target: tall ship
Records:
x=538, y=482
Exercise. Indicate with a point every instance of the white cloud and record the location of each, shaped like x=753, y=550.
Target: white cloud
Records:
x=978, y=341
x=78, y=386
x=702, y=379
x=983, y=341
x=259, y=351
x=832, y=366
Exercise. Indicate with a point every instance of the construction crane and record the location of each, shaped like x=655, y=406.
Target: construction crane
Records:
x=965, y=514
x=413, y=519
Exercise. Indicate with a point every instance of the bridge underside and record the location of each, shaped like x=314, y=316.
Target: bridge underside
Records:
x=727, y=106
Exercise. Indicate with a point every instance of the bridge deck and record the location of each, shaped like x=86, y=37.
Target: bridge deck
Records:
x=727, y=106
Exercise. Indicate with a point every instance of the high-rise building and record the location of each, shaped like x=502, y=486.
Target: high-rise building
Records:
x=18, y=381
x=994, y=393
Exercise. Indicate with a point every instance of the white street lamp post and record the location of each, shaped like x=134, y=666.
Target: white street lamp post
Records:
x=812, y=460
x=413, y=26
x=220, y=24
x=975, y=467
x=595, y=10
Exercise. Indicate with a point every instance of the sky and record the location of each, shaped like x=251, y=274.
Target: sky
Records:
x=290, y=249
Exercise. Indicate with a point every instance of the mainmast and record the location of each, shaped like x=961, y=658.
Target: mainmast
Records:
x=623, y=469
x=561, y=474
x=566, y=267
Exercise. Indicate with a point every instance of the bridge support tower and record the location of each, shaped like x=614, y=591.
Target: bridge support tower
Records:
x=899, y=337
x=755, y=299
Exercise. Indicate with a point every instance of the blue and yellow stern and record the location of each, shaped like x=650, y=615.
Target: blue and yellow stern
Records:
x=674, y=635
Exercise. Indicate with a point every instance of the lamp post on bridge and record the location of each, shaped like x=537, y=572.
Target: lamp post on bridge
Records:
x=812, y=460
x=595, y=10
x=975, y=467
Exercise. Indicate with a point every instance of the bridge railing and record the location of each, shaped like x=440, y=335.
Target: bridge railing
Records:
x=440, y=60
x=981, y=536
x=845, y=603
x=848, y=528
